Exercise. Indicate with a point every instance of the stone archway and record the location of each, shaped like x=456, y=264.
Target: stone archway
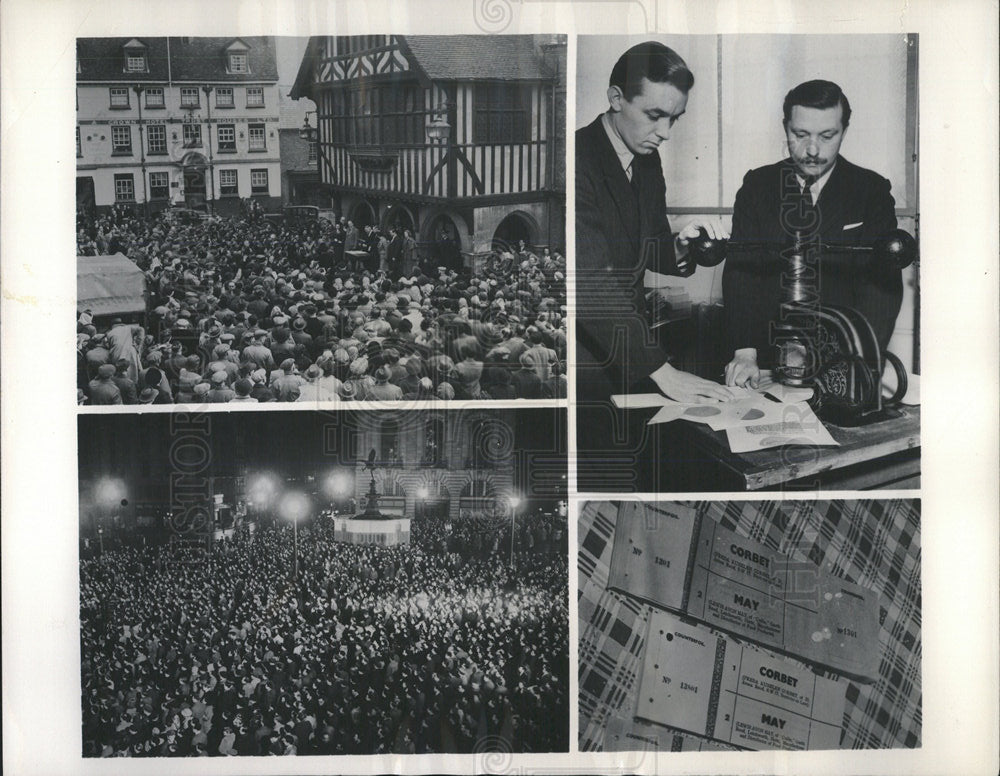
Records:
x=515, y=226
x=363, y=214
x=194, y=169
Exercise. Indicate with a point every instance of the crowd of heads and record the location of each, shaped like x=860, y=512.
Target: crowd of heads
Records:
x=426, y=648
x=246, y=309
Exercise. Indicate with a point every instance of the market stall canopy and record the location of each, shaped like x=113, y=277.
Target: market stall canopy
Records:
x=109, y=285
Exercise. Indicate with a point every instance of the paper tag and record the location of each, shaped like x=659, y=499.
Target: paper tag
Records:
x=741, y=586
x=653, y=547
x=709, y=684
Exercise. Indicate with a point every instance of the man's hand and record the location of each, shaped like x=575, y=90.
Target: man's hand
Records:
x=712, y=226
x=684, y=387
x=743, y=369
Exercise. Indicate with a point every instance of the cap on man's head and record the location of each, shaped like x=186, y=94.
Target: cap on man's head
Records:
x=106, y=371
x=148, y=395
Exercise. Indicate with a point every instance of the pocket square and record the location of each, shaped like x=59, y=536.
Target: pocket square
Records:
x=853, y=226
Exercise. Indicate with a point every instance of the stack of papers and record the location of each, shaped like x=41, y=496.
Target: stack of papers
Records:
x=772, y=415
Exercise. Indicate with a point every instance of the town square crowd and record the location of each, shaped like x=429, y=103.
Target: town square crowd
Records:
x=368, y=650
x=249, y=309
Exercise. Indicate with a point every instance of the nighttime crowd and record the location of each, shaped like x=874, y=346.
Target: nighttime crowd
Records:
x=246, y=310
x=417, y=649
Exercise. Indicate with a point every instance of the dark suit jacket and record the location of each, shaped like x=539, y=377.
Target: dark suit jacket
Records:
x=854, y=207
x=621, y=230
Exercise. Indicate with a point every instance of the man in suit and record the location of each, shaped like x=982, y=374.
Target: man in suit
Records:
x=622, y=232
x=823, y=197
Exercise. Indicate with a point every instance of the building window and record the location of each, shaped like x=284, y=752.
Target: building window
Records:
x=258, y=181
x=502, y=113
x=119, y=97
x=135, y=61
x=257, y=140
x=312, y=153
x=159, y=185
x=192, y=135
x=121, y=140
x=156, y=138
x=189, y=97
x=255, y=96
x=238, y=62
x=227, y=138
x=389, y=114
x=124, y=188
x=224, y=97
x=154, y=97
x=79, y=147
x=227, y=183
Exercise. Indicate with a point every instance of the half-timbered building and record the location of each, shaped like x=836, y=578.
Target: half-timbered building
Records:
x=457, y=137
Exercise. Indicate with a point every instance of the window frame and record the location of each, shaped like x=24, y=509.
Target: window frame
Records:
x=501, y=113
x=165, y=188
x=136, y=54
x=79, y=144
x=125, y=177
x=121, y=90
x=184, y=132
x=155, y=90
x=231, y=62
x=255, y=90
x=260, y=190
x=197, y=97
x=230, y=145
x=117, y=149
x=234, y=188
x=219, y=90
x=251, y=129
x=161, y=129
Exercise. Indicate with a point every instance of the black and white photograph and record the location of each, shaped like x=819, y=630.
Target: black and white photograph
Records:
x=747, y=292
x=307, y=583
x=749, y=625
x=325, y=219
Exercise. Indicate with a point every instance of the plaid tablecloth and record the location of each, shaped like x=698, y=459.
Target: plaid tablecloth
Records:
x=875, y=544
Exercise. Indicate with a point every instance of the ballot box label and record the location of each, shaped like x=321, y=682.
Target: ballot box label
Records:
x=652, y=552
x=708, y=684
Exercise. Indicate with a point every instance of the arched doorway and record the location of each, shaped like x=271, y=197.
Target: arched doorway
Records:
x=444, y=242
x=398, y=217
x=195, y=169
x=511, y=231
x=363, y=214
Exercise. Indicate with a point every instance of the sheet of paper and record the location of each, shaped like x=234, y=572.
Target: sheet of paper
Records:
x=799, y=426
x=653, y=547
x=756, y=410
x=708, y=684
x=783, y=393
x=633, y=401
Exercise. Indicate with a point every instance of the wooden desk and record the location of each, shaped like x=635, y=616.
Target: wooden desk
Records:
x=880, y=455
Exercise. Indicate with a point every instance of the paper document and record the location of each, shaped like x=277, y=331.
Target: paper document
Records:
x=695, y=680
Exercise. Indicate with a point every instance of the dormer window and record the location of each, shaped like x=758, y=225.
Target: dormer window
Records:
x=238, y=63
x=135, y=57
x=238, y=57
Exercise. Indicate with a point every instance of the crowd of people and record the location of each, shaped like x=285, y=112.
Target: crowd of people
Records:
x=483, y=535
x=245, y=309
x=368, y=650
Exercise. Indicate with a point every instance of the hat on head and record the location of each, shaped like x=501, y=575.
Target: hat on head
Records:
x=382, y=374
x=106, y=371
x=359, y=366
x=201, y=389
x=312, y=373
x=148, y=395
x=218, y=377
x=348, y=390
x=299, y=324
x=288, y=364
x=259, y=375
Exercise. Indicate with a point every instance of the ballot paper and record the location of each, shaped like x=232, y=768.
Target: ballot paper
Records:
x=638, y=401
x=798, y=425
x=666, y=555
x=705, y=683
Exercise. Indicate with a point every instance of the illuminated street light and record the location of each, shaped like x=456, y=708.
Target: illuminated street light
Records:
x=338, y=485
x=515, y=502
x=294, y=507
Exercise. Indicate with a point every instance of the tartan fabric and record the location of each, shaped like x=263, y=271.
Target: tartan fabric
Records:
x=874, y=543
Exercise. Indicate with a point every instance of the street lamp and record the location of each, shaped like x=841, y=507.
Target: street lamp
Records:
x=515, y=502
x=439, y=129
x=294, y=507
x=308, y=133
